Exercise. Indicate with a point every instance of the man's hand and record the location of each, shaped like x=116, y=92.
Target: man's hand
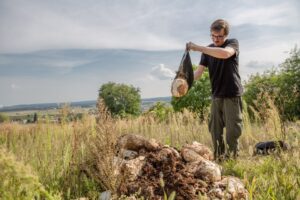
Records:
x=191, y=46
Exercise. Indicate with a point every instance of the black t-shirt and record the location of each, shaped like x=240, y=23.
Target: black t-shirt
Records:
x=224, y=73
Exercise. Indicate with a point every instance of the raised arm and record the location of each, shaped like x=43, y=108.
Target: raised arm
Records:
x=217, y=52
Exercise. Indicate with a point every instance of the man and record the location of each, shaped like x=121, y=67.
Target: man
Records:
x=221, y=59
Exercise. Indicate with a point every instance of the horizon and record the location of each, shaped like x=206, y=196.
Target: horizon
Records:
x=90, y=100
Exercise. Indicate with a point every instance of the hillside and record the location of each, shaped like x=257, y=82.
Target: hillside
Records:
x=146, y=103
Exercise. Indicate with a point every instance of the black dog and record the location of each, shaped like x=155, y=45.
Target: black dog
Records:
x=265, y=148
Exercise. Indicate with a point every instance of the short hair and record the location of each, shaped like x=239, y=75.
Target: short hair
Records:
x=220, y=24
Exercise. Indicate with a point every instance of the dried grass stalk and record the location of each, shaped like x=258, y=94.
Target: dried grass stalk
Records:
x=103, y=167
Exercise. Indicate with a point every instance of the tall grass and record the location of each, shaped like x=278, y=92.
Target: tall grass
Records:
x=18, y=180
x=55, y=152
x=100, y=164
x=73, y=159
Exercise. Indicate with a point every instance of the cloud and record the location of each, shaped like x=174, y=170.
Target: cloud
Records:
x=254, y=64
x=254, y=67
x=43, y=63
x=34, y=25
x=82, y=44
x=272, y=14
x=145, y=25
x=41, y=78
x=14, y=86
x=161, y=72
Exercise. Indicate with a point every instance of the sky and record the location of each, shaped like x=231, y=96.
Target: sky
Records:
x=64, y=50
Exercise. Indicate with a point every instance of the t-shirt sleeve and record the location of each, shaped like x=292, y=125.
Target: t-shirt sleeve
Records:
x=203, y=60
x=233, y=43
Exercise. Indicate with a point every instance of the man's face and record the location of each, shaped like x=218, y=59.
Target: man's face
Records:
x=218, y=37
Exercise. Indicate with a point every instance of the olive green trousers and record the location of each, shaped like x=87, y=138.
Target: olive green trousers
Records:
x=226, y=113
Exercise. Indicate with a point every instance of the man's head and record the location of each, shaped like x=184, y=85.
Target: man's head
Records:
x=219, y=30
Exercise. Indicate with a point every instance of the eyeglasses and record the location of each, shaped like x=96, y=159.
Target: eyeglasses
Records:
x=217, y=36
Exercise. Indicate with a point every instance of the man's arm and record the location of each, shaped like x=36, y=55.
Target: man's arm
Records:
x=198, y=72
x=217, y=52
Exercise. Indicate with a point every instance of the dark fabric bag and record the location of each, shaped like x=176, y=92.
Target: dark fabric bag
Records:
x=185, y=70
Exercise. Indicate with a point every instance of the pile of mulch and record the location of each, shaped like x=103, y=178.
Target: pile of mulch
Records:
x=151, y=170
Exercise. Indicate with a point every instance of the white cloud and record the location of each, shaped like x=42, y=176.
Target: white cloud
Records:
x=161, y=72
x=14, y=86
x=149, y=25
x=153, y=87
x=148, y=78
x=277, y=14
x=254, y=64
x=37, y=26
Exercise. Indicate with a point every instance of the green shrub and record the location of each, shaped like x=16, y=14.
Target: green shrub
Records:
x=160, y=111
x=18, y=181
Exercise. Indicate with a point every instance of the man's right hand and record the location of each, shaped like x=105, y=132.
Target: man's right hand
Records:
x=190, y=46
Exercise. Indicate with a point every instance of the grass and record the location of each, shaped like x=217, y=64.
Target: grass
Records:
x=66, y=160
x=19, y=181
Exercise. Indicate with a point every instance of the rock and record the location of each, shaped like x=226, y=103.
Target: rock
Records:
x=216, y=193
x=233, y=186
x=132, y=168
x=128, y=154
x=144, y=164
x=179, y=87
x=190, y=155
x=200, y=149
x=205, y=170
x=136, y=142
x=106, y=195
x=171, y=150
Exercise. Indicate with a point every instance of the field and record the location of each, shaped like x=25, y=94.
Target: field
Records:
x=48, y=160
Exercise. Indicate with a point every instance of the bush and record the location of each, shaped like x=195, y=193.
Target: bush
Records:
x=283, y=85
x=159, y=111
x=18, y=181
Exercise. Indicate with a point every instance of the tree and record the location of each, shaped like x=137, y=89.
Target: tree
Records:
x=266, y=82
x=282, y=85
x=121, y=99
x=35, y=118
x=290, y=84
x=197, y=99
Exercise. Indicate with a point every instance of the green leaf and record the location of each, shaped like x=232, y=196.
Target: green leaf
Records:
x=172, y=196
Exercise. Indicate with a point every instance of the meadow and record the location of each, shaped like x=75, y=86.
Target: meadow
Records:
x=70, y=160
